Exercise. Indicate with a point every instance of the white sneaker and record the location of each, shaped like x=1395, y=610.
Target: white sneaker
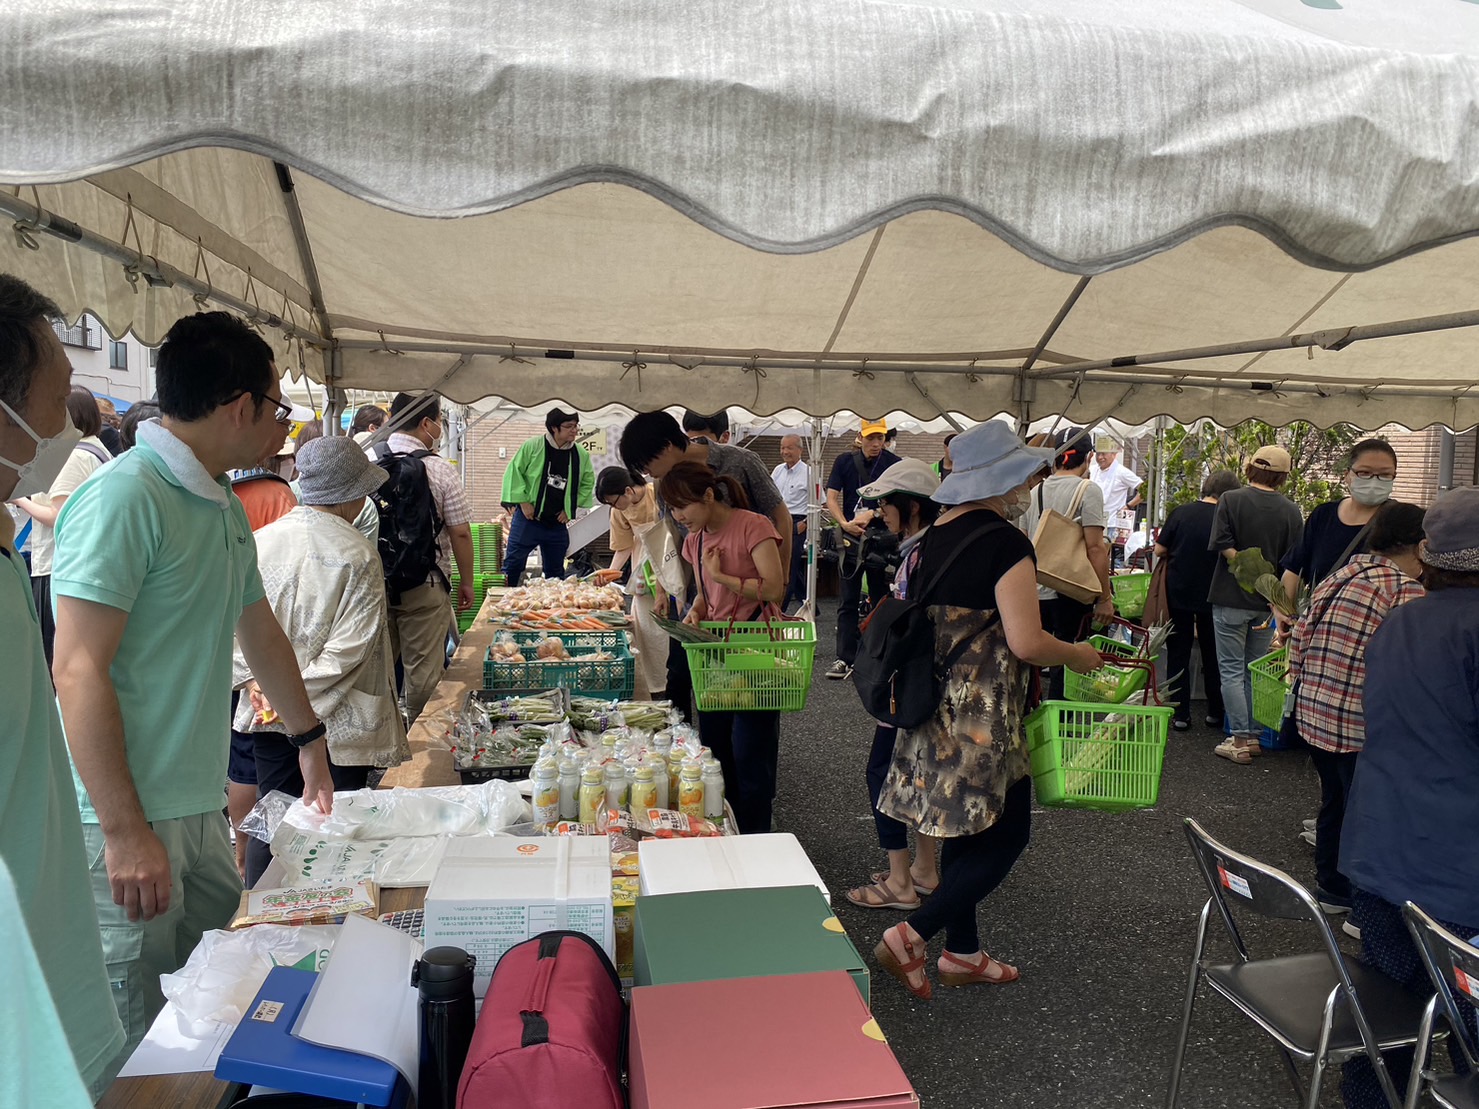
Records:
x=839, y=670
x=1309, y=825
x=1308, y=837
x=1350, y=929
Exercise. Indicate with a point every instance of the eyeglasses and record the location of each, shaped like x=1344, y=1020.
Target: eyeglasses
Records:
x=1385, y=475
x=284, y=414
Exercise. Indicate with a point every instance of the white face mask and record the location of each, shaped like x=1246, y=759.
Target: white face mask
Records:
x=37, y=475
x=1371, y=491
x=1018, y=501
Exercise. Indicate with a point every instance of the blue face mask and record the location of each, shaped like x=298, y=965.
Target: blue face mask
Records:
x=37, y=475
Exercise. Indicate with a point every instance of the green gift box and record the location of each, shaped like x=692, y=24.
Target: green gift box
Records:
x=743, y=933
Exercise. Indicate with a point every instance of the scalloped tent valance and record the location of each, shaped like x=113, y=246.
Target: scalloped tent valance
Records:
x=1096, y=207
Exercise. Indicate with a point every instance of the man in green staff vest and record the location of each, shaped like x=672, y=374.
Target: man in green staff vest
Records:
x=545, y=483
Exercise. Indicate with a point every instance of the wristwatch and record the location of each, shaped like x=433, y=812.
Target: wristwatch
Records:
x=317, y=732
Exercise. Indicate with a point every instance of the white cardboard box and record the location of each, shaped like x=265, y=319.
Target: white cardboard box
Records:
x=492, y=893
x=726, y=863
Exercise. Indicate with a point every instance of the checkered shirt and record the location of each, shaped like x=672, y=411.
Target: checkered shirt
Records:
x=446, y=490
x=1328, y=649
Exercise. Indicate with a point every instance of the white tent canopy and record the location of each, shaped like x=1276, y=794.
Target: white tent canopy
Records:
x=972, y=206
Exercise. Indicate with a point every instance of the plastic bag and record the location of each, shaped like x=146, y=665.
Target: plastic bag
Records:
x=223, y=974
x=271, y=810
x=311, y=857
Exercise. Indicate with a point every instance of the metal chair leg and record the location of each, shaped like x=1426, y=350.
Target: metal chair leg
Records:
x=1424, y=1046
x=1322, y=1051
x=1191, y=998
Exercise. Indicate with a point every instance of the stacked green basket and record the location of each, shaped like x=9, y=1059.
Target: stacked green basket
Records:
x=486, y=560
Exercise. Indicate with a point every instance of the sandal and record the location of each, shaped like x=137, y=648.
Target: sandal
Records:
x=881, y=877
x=973, y=974
x=880, y=895
x=1234, y=751
x=902, y=968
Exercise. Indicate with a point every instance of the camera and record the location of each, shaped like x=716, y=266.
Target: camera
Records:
x=876, y=550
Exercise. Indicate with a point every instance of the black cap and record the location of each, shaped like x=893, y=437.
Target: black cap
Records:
x=443, y=973
x=558, y=416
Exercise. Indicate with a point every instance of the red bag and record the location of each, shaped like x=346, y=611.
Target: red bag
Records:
x=552, y=1031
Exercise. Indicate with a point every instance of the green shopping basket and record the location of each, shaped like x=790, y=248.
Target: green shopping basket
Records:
x=1111, y=684
x=1130, y=592
x=759, y=667
x=1102, y=757
x=1269, y=678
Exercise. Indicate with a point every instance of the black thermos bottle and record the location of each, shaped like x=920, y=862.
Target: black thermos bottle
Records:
x=443, y=975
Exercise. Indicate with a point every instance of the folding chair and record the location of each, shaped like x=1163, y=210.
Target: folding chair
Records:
x=1314, y=1005
x=1453, y=965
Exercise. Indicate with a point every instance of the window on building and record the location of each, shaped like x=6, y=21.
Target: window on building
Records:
x=153, y=357
x=117, y=355
x=79, y=336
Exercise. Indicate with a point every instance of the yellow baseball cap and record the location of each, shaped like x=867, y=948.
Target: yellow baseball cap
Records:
x=874, y=427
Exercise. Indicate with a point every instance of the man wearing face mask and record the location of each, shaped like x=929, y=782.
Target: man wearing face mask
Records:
x=1063, y=617
x=40, y=831
x=1337, y=530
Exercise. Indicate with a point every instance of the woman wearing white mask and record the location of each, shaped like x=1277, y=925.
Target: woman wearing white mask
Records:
x=1072, y=493
x=963, y=775
x=1338, y=529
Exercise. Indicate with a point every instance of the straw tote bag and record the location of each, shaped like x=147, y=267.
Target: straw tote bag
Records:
x=1062, y=559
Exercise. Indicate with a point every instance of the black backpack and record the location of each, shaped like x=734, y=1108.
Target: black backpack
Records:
x=895, y=672
x=409, y=522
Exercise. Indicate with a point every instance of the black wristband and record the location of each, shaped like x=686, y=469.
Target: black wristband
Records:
x=313, y=734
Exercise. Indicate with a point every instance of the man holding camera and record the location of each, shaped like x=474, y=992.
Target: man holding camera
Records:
x=850, y=473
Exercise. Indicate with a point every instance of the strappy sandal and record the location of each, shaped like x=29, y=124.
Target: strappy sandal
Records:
x=1233, y=751
x=880, y=895
x=879, y=877
x=902, y=968
x=975, y=974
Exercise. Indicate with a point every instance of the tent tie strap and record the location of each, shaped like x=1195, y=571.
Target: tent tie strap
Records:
x=753, y=366
x=385, y=348
x=513, y=356
x=202, y=299
x=863, y=372
x=634, y=363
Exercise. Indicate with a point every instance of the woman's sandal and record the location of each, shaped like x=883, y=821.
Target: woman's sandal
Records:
x=880, y=877
x=972, y=974
x=880, y=895
x=913, y=962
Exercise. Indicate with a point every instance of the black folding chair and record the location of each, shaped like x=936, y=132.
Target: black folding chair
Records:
x=1315, y=1004
x=1453, y=966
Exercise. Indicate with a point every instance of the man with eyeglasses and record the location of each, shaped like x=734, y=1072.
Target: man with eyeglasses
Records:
x=548, y=479
x=155, y=571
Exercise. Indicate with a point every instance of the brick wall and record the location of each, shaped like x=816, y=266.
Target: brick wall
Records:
x=1418, y=459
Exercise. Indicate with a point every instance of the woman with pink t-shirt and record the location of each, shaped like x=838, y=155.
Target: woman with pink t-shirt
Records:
x=736, y=560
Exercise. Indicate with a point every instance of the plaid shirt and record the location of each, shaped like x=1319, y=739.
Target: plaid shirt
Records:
x=446, y=491
x=1328, y=649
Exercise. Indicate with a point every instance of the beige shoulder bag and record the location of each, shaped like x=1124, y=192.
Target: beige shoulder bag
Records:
x=1062, y=559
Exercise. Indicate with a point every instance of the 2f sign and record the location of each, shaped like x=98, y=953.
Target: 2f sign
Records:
x=592, y=439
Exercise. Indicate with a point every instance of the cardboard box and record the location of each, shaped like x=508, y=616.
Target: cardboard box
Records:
x=624, y=891
x=696, y=937
x=492, y=893
x=726, y=863
x=799, y=1041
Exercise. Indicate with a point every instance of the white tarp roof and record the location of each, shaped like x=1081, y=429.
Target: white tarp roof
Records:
x=727, y=196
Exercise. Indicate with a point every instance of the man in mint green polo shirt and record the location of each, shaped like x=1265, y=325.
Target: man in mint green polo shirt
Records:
x=40, y=835
x=155, y=569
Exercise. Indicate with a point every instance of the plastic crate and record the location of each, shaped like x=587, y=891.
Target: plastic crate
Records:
x=1107, y=685
x=759, y=667
x=487, y=548
x=481, y=584
x=612, y=679
x=472, y=775
x=1267, y=677
x=613, y=640
x=1130, y=592
x=1099, y=757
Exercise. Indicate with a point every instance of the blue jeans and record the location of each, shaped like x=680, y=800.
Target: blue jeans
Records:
x=1238, y=644
x=553, y=540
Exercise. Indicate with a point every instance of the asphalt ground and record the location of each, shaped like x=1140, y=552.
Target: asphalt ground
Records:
x=1099, y=915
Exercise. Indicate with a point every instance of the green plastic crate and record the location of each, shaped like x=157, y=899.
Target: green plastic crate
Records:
x=1099, y=757
x=614, y=640
x=612, y=679
x=487, y=548
x=1267, y=676
x=481, y=584
x=1130, y=592
x=759, y=667
x=1108, y=685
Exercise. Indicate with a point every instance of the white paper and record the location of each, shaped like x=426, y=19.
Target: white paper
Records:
x=364, y=1002
x=169, y=1049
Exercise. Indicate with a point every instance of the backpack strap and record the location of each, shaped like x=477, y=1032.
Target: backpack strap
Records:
x=1351, y=547
x=102, y=455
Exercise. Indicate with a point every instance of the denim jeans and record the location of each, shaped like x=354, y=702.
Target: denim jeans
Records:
x=553, y=540
x=1238, y=644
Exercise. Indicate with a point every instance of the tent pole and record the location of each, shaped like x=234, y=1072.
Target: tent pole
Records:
x=305, y=248
x=913, y=379
x=813, y=516
x=152, y=270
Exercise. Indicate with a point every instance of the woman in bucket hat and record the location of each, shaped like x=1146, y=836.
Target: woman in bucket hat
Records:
x=327, y=587
x=963, y=775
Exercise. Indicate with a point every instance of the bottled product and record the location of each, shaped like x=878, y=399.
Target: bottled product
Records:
x=546, y=778
x=616, y=786
x=713, y=778
x=569, y=789
x=691, y=789
x=644, y=790
x=659, y=767
x=592, y=793
x=675, y=768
